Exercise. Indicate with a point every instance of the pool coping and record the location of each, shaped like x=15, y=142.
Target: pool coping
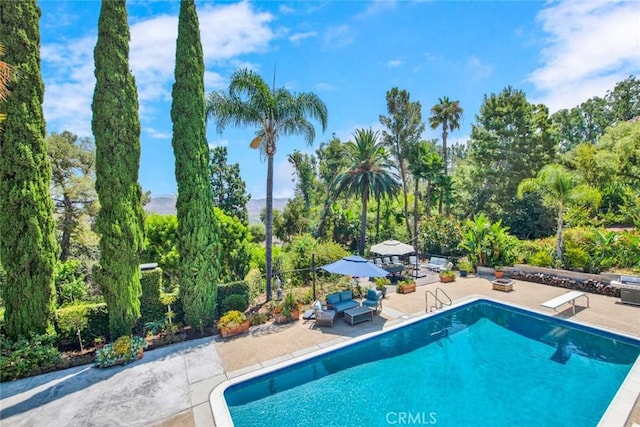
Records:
x=616, y=413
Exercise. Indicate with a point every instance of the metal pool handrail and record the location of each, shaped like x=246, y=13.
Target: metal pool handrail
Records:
x=437, y=300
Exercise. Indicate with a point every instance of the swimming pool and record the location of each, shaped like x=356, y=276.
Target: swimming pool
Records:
x=483, y=363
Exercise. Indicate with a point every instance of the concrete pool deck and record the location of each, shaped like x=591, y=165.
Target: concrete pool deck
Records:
x=170, y=386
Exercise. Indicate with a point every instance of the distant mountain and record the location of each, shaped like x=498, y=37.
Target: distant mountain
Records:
x=166, y=205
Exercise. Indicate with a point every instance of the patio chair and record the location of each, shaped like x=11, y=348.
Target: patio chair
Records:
x=325, y=317
x=396, y=260
x=374, y=299
x=378, y=262
x=386, y=260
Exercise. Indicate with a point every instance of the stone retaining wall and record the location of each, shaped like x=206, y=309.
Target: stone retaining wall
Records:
x=590, y=285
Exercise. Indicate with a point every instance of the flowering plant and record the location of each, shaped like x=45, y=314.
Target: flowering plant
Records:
x=126, y=349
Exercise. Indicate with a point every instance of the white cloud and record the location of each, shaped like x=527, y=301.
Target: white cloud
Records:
x=338, y=36
x=301, y=36
x=394, y=63
x=323, y=86
x=590, y=46
x=477, y=69
x=376, y=7
x=157, y=134
x=68, y=68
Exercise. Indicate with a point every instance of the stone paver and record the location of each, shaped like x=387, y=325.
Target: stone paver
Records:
x=170, y=386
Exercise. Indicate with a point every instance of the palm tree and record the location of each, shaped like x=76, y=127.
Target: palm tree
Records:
x=274, y=112
x=445, y=113
x=559, y=188
x=369, y=173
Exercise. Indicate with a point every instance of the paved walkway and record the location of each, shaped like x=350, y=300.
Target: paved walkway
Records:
x=170, y=386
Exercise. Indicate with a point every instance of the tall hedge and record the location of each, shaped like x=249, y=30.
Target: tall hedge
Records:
x=198, y=243
x=151, y=309
x=27, y=240
x=116, y=128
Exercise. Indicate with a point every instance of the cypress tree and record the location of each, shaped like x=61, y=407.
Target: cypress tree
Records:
x=27, y=239
x=198, y=243
x=116, y=128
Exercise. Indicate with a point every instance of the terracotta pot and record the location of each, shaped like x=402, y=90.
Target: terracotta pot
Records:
x=408, y=288
x=235, y=330
x=499, y=274
x=446, y=279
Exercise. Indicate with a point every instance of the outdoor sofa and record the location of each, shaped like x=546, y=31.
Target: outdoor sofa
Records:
x=437, y=264
x=341, y=301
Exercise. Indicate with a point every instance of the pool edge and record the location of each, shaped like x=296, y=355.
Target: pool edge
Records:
x=617, y=412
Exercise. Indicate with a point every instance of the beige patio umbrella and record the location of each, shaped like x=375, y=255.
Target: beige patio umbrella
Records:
x=392, y=247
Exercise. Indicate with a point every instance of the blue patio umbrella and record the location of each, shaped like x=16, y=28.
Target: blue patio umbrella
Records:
x=355, y=266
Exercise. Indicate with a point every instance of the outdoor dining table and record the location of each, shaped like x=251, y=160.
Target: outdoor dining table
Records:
x=396, y=271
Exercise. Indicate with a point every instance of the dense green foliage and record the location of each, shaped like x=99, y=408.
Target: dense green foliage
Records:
x=198, y=243
x=151, y=308
x=27, y=357
x=73, y=190
x=161, y=245
x=92, y=320
x=404, y=126
x=116, y=128
x=234, y=302
x=70, y=282
x=229, y=190
x=235, y=288
x=511, y=140
x=27, y=246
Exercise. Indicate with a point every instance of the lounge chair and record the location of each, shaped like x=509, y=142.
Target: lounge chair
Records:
x=374, y=299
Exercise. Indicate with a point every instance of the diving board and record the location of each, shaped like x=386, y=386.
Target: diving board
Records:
x=569, y=297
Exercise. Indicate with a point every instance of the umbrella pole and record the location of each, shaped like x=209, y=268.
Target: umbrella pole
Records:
x=313, y=274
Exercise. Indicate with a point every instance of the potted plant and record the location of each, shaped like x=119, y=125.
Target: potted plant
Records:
x=447, y=276
x=289, y=309
x=124, y=350
x=233, y=322
x=98, y=342
x=499, y=272
x=465, y=266
x=406, y=286
x=381, y=284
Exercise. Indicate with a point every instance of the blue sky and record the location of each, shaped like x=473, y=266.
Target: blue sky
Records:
x=350, y=53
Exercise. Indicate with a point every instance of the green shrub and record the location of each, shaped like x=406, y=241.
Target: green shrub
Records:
x=234, y=288
x=258, y=232
x=150, y=306
x=255, y=282
x=94, y=320
x=258, y=319
x=234, y=302
x=27, y=357
x=541, y=259
x=69, y=282
x=440, y=235
x=576, y=259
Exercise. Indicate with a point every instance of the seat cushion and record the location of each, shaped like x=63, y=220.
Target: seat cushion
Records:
x=372, y=294
x=333, y=299
x=345, y=295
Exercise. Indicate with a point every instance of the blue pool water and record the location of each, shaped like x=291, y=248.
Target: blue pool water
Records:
x=482, y=364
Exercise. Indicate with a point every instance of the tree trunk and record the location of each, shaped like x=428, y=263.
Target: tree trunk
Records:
x=377, y=218
x=67, y=228
x=322, y=224
x=428, y=198
x=269, y=231
x=404, y=194
x=559, y=242
x=363, y=220
x=415, y=213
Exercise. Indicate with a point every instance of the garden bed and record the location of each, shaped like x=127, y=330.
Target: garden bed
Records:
x=594, y=286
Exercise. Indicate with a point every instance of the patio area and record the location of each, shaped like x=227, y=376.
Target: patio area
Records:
x=171, y=385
